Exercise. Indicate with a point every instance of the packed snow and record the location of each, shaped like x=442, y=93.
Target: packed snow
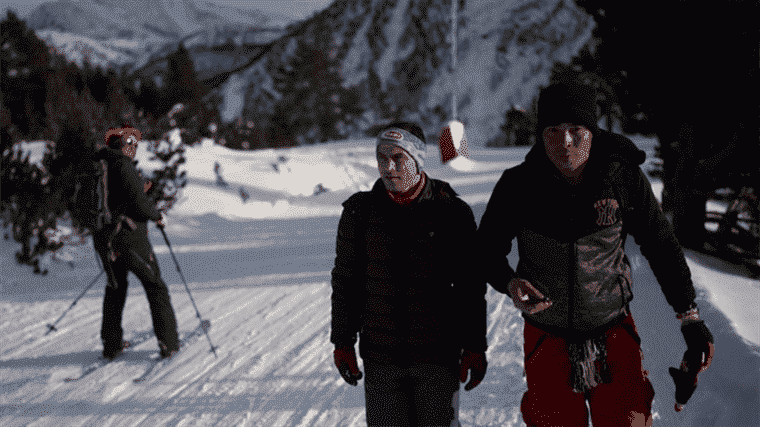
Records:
x=259, y=269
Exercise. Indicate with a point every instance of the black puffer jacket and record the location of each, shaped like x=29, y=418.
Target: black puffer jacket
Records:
x=571, y=238
x=404, y=277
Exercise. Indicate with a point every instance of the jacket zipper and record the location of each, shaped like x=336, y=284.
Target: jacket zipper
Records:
x=571, y=288
x=573, y=265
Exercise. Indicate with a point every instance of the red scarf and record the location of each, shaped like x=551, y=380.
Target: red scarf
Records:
x=404, y=199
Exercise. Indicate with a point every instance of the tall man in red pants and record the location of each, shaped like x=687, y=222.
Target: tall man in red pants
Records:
x=571, y=205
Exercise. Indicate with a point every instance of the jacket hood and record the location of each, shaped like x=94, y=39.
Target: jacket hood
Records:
x=607, y=149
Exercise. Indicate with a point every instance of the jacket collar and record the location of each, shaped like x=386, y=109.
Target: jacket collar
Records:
x=432, y=189
x=109, y=154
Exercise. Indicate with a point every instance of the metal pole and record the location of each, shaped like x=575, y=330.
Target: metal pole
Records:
x=454, y=58
x=205, y=324
x=52, y=327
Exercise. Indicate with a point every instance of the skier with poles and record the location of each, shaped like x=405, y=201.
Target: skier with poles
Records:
x=570, y=205
x=124, y=247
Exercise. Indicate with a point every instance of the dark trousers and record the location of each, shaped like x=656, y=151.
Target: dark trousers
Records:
x=136, y=255
x=420, y=395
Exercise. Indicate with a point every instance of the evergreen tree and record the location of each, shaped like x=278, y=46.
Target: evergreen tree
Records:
x=97, y=83
x=119, y=108
x=315, y=106
x=25, y=67
x=182, y=85
x=183, y=97
x=167, y=180
x=150, y=98
x=24, y=61
x=48, y=97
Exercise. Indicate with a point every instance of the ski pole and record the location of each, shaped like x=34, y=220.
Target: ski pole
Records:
x=205, y=324
x=52, y=327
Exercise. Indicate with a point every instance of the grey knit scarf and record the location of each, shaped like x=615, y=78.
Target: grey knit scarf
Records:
x=588, y=363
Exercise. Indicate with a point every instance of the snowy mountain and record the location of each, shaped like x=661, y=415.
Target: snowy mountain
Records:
x=111, y=32
x=396, y=54
x=103, y=53
x=136, y=19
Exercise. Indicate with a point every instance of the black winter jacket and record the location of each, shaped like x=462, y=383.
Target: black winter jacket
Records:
x=126, y=196
x=404, y=279
x=126, y=193
x=571, y=238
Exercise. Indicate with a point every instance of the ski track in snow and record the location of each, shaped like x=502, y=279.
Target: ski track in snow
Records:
x=265, y=286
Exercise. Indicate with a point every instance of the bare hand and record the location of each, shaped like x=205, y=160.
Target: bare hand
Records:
x=526, y=297
x=161, y=223
x=148, y=185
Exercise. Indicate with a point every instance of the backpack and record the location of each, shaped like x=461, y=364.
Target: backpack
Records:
x=89, y=205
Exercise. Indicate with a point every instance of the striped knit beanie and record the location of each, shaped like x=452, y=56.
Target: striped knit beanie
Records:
x=406, y=140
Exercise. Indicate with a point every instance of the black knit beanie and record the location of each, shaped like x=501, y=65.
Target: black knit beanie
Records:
x=566, y=103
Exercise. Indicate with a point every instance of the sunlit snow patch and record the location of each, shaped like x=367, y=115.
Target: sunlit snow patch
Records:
x=463, y=164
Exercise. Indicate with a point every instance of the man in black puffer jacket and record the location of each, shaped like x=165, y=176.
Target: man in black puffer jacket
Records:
x=130, y=248
x=570, y=205
x=404, y=280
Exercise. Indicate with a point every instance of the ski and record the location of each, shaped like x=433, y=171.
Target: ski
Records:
x=157, y=362
x=90, y=369
x=102, y=361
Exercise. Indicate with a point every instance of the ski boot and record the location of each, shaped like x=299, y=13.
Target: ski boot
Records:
x=112, y=353
x=166, y=352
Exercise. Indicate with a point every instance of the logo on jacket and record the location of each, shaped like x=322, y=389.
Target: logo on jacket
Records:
x=607, y=209
x=392, y=134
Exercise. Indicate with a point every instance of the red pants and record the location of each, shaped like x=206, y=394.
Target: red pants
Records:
x=550, y=400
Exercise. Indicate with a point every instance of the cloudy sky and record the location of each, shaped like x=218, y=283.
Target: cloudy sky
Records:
x=296, y=8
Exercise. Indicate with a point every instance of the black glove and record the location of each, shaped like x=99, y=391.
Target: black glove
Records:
x=696, y=359
x=699, y=344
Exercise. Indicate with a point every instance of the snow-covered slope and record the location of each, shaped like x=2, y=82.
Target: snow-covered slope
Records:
x=262, y=277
